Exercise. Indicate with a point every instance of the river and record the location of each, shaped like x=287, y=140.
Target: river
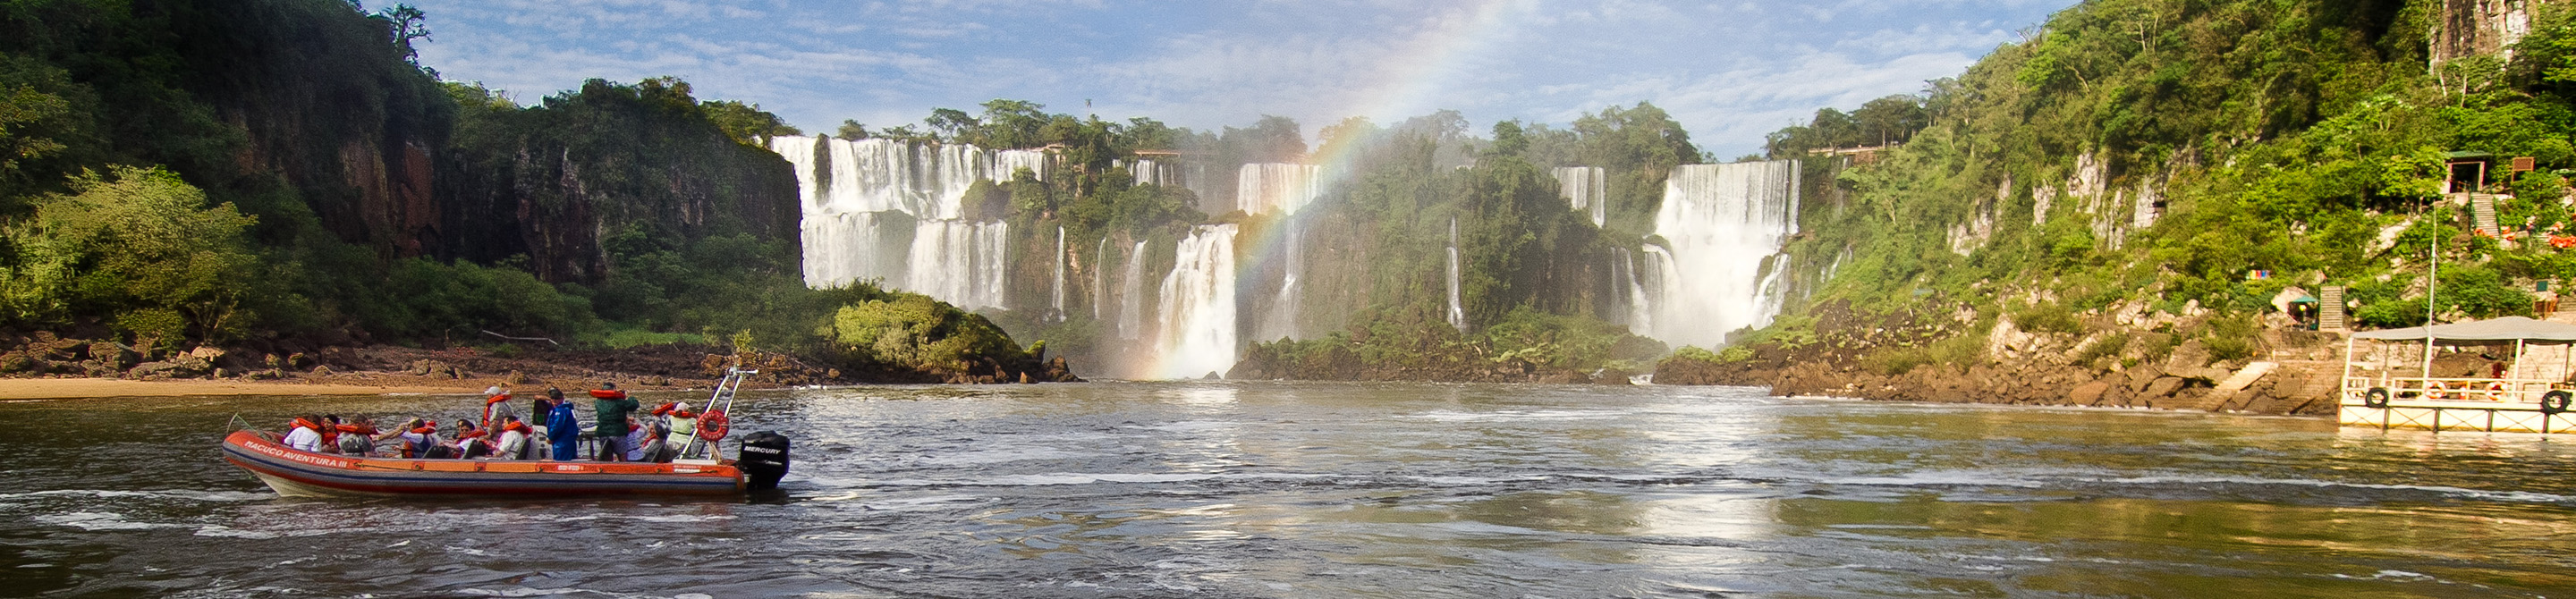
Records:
x=1341, y=490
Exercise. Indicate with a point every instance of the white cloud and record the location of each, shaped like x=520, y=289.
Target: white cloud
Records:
x=1729, y=71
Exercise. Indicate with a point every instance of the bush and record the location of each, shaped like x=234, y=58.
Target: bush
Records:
x=138, y=245
x=2232, y=338
x=1894, y=361
x=2048, y=318
x=2106, y=347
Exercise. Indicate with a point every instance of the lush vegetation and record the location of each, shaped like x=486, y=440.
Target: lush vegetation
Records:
x=2154, y=155
x=279, y=172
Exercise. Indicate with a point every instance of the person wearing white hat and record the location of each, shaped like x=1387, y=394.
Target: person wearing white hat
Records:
x=684, y=424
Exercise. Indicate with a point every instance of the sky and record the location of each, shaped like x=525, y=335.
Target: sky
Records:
x=1728, y=71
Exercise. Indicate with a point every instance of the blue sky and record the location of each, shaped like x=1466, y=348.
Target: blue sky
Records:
x=1729, y=71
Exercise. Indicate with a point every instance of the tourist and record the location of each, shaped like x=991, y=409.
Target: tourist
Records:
x=495, y=399
x=610, y=406
x=305, y=433
x=514, y=439
x=420, y=440
x=472, y=441
x=358, y=437
x=636, y=436
x=684, y=424
x=563, y=428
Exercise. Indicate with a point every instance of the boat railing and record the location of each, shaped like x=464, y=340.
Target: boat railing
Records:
x=2450, y=389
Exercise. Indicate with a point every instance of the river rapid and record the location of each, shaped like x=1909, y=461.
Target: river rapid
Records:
x=1223, y=489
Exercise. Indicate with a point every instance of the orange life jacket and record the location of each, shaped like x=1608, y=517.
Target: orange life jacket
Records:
x=608, y=393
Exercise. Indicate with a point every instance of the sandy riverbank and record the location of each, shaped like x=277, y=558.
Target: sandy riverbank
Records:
x=76, y=388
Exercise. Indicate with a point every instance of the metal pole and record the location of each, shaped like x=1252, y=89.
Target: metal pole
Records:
x=2432, y=279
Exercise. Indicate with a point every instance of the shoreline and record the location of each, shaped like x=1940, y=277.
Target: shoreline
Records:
x=103, y=388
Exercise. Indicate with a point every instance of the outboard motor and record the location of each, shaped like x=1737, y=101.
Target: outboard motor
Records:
x=763, y=460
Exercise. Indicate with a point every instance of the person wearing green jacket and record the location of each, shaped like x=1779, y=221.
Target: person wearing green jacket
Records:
x=610, y=407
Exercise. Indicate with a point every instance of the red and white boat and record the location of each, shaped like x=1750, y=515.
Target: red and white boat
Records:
x=298, y=473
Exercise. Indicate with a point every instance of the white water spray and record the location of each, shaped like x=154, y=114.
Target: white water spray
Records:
x=1198, y=310
x=1718, y=266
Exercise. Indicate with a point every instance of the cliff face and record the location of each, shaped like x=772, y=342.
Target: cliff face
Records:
x=608, y=169
x=2466, y=28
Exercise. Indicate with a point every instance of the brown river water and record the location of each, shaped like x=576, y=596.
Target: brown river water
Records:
x=1224, y=489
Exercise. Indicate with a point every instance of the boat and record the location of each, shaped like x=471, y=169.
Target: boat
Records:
x=296, y=473
x=2394, y=378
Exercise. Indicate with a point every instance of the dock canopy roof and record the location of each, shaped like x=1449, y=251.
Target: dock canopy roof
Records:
x=2501, y=329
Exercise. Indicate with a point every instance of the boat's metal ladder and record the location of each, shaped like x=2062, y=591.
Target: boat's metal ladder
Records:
x=721, y=402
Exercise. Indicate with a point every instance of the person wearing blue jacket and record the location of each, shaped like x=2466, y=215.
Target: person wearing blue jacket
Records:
x=562, y=428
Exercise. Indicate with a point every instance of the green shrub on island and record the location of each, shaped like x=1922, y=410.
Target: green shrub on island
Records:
x=911, y=332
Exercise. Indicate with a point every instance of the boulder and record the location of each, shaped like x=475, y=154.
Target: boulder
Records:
x=173, y=368
x=2088, y=393
x=114, y=355
x=2164, y=386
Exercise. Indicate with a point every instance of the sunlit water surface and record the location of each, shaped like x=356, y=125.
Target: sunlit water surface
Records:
x=1332, y=490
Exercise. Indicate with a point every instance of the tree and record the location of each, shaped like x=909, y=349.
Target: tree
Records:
x=746, y=123
x=139, y=244
x=851, y=129
x=408, y=23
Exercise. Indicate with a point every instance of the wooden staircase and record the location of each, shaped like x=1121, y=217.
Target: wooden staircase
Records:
x=2330, y=309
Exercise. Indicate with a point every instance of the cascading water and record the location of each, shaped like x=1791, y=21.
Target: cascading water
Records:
x=1587, y=189
x=1632, y=291
x=1198, y=311
x=1717, y=266
x=1271, y=188
x=1055, y=299
x=1457, y=302
x=894, y=212
x=1099, y=278
x=960, y=262
x=1131, y=295
x=1279, y=318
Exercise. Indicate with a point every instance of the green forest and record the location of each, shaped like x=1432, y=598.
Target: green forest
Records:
x=2164, y=155
x=282, y=175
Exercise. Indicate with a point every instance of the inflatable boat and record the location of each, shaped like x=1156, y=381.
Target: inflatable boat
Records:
x=296, y=473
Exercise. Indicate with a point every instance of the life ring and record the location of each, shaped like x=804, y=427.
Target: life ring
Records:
x=2555, y=402
x=2376, y=397
x=713, y=425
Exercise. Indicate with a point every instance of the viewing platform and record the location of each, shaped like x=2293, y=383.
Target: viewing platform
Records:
x=2509, y=374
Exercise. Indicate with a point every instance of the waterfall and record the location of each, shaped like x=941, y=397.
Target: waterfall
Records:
x=1198, y=310
x=959, y=262
x=1055, y=299
x=1457, y=303
x=1717, y=266
x=895, y=213
x=1279, y=318
x=1638, y=311
x=1099, y=277
x=1586, y=189
x=1275, y=188
x=1131, y=295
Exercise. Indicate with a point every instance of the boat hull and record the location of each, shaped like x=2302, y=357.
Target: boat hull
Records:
x=296, y=473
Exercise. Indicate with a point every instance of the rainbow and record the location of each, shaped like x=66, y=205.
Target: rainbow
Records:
x=1427, y=64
